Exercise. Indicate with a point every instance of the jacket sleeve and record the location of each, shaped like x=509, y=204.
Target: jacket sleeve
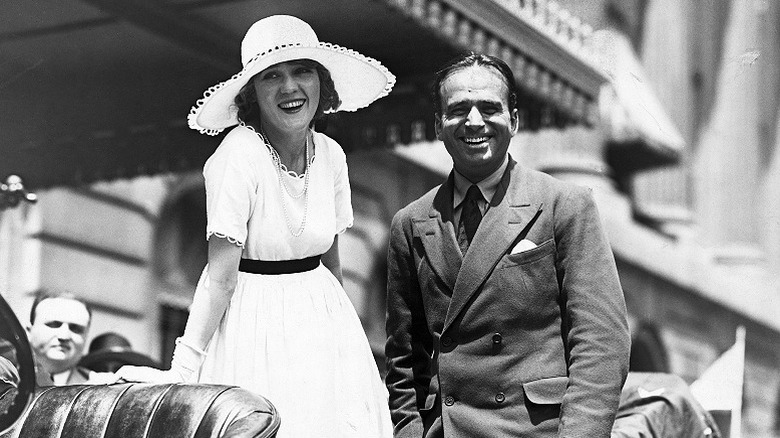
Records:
x=408, y=338
x=594, y=315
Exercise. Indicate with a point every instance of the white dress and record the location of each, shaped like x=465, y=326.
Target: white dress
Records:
x=293, y=338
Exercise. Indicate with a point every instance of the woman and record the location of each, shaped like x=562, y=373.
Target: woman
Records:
x=267, y=314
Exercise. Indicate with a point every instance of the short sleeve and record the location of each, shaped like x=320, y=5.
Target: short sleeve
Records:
x=343, y=194
x=230, y=192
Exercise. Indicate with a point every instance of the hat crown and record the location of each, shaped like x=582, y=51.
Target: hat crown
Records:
x=276, y=31
x=109, y=341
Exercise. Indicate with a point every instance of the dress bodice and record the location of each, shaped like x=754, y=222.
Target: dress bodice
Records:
x=248, y=203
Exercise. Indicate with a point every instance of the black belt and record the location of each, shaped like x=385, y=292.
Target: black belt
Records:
x=276, y=267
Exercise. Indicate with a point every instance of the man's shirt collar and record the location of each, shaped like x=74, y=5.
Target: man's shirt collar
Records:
x=487, y=186
x=61, y=378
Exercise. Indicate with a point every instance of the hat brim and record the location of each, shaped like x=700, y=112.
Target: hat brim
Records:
x=359, y=81
x=125, y=357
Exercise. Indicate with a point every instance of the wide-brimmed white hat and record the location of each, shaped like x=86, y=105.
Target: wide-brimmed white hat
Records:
x=359, y=80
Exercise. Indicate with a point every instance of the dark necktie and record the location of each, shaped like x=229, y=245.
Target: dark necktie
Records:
x=470, y=216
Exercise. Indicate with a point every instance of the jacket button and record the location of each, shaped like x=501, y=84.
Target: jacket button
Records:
x=446, y=341
x=500, y=397
x=497, y=338
x=449, y=400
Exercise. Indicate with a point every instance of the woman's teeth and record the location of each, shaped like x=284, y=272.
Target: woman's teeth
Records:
x=292, y=105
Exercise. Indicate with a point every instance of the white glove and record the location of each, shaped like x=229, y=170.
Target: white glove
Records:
x=132, y=373
x=185, y=365
x=101, y=378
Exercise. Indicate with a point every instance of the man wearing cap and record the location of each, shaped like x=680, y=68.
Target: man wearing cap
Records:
x=109, y=351
x=505, y=313
x=58, y=329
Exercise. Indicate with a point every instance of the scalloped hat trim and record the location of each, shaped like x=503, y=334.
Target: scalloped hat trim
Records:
x=359, y=79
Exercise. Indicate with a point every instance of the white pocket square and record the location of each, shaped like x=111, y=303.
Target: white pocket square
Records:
x=523, y=245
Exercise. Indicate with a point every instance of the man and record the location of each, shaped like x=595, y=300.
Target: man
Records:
x=505, y=314
x=57, y=332
x=110, y=351
x=9, y=383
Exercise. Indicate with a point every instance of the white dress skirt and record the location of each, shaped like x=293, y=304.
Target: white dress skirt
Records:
x=292, y=338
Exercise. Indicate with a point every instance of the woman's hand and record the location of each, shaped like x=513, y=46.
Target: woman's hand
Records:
x=185, y=364
x=132, y=373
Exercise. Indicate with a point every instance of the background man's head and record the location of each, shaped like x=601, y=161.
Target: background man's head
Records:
x=58, y=331
x=475, y=98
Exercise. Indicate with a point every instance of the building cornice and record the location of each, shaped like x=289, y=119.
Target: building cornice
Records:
x=544, y=45
x=543, y=32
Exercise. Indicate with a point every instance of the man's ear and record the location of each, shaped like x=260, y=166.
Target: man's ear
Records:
x=437, y=125
x=515, y=120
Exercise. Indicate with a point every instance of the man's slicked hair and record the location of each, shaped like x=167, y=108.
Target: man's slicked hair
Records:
x=469, y=60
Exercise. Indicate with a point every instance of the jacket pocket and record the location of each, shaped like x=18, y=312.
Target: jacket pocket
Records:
x=545, y=248
x=549, y=391
x=528, y=284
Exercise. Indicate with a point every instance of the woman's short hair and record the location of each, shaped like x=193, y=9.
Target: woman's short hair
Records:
x=468, y=60
x=249, y=111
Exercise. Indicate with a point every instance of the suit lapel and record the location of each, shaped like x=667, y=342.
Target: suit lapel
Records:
x=438, y=235
x=78, y=375
x=509, y=214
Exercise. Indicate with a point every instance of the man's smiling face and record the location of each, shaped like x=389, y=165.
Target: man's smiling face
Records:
x=476, y=123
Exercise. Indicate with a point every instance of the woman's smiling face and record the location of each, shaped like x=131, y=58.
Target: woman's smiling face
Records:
x=288, y=94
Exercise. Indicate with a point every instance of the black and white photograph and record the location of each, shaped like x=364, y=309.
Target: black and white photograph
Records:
x=390, y=218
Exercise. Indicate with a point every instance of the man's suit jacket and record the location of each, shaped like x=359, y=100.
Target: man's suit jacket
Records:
x=531, y=344
x=79, y=376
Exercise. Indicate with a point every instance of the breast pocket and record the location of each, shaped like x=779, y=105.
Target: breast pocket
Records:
x=528, y=256
x=530, y=278
x=528, y=283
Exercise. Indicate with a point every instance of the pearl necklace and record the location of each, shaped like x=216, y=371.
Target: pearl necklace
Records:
x=280, y=168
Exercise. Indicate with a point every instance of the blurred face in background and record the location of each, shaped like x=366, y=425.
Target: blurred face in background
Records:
x=58, y=334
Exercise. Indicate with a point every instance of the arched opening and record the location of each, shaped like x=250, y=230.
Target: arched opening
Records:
x=647, y=351
x=180, y=244
x=180, y=253
x=777, y=414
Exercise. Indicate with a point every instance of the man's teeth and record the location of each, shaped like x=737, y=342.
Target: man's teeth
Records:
x=475, y=139
x=290, y=105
